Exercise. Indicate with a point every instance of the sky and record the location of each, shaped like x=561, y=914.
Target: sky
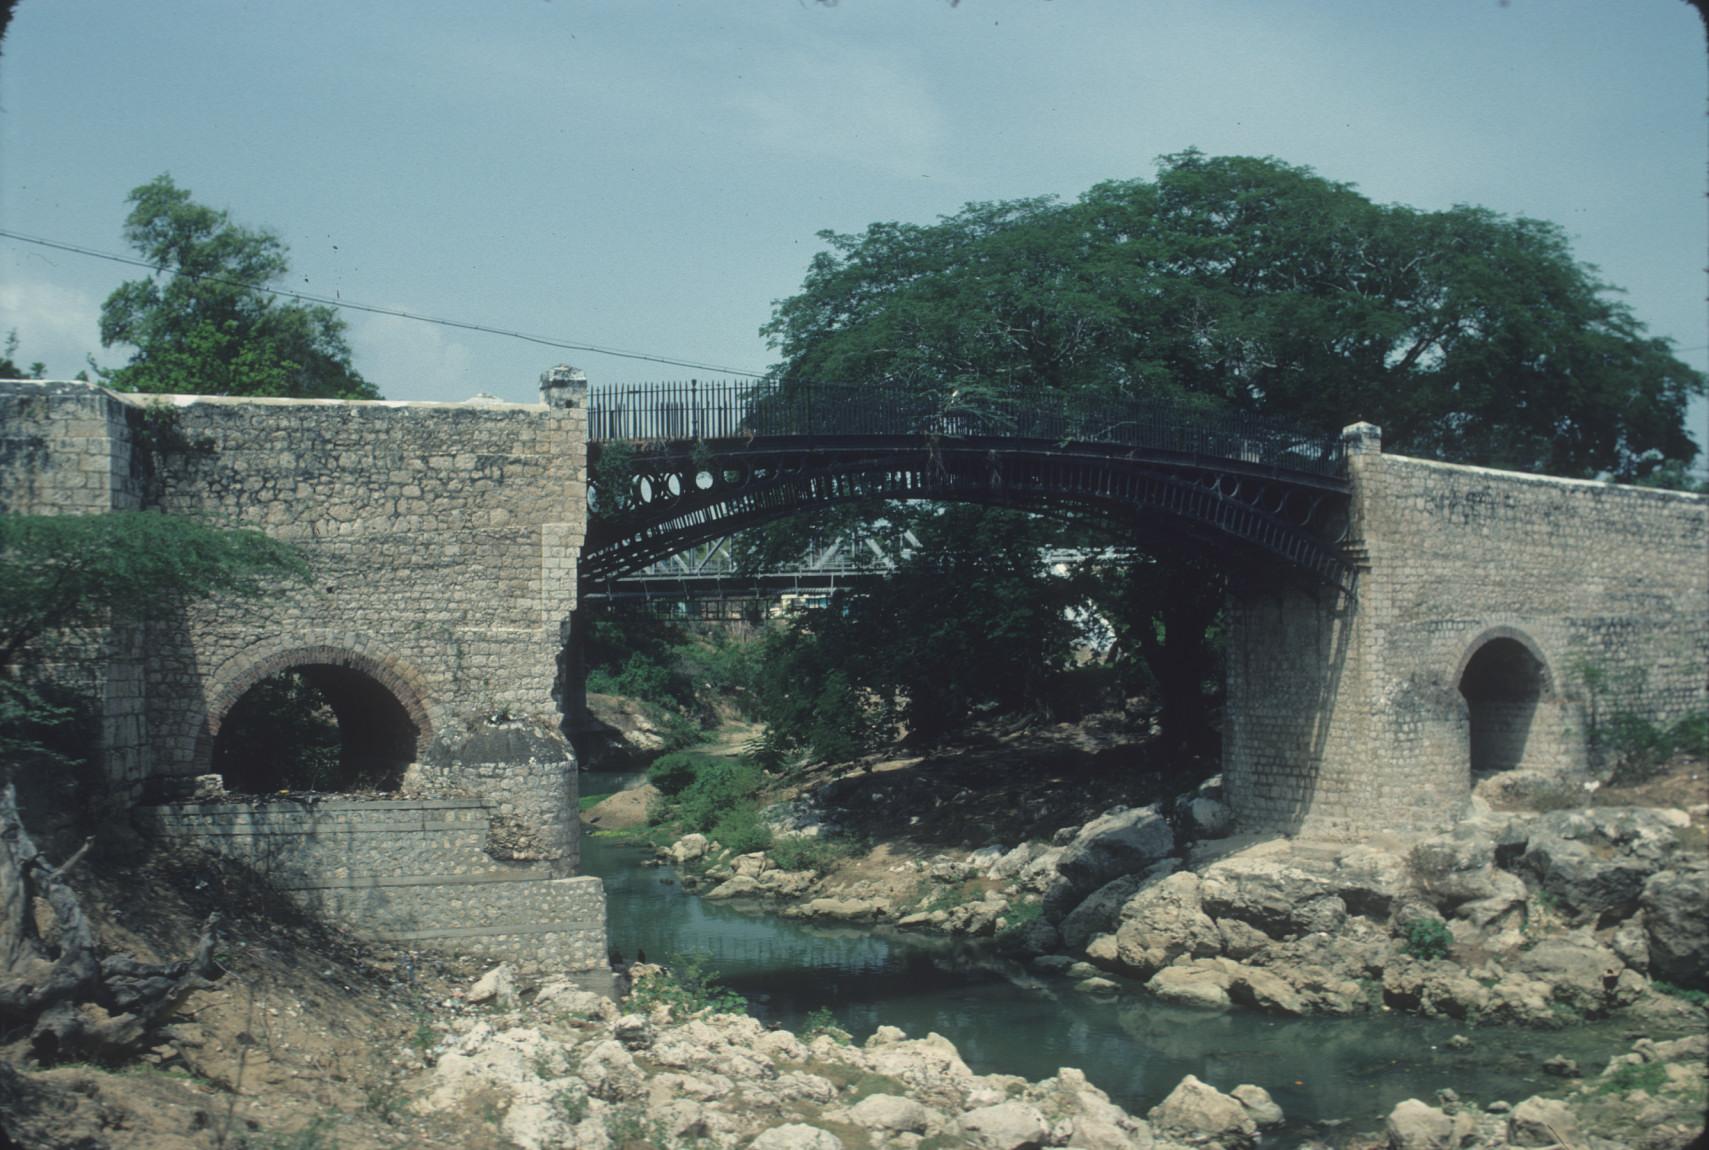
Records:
x=650, y=176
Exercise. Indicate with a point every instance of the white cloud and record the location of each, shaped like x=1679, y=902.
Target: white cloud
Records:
x=56, y=325
x=406, y=359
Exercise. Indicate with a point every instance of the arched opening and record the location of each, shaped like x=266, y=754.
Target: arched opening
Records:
x=315, y=727
x=1502, y=684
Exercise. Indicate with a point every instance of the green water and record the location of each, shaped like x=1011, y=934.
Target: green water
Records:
x=1328, y=1075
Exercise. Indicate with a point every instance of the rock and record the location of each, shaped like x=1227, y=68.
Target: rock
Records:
x=1264, y=890
x=1676, y=918
x=796, y=1136
x=1562, y=1067
x=1240, y=941
x=740, y=886
x=1005, y=1126
x=611, y=1074
x=1115, y=844
x=1052, y=963
x=1414, y=1125
x=688, y=848
x=1163, y=922
x=1209, y=818
x=634, y=1031
x=561, y=998
x=751, y=865
x=1037, y=937
x=842, y=909
x=1433, y=988
x=1096, y=913
x=497, y=986
x=1202, y=1115
x=1097, y=984
x=1583, y=882
x=1455, y=869
x=1541, y=1122
x=1103, y=951
x=1631, y=943
x=1520, y=998
x=1254, y=986
x=891, y=1113
x=1324, y=914
x=1192, y=985
x=1040, y=871
x=1582, y=974
x=1259, y=1105
x=1014, y=862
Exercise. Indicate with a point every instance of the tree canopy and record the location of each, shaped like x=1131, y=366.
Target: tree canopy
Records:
x=1260, y=286
x=67, y=574
x=203, y=324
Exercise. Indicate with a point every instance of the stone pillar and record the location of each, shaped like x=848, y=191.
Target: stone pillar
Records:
x=563, y=386
x=1362, y=439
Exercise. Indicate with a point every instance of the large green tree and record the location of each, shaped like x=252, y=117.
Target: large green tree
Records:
x=1251, y=285
x=1259, y=286
x=203, y=323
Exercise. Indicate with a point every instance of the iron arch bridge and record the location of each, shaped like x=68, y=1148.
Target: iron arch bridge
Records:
x=673, y=466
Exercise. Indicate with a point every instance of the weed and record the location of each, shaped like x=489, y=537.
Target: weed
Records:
x=1428, y=938
x=384, y=1101
x=688, y=987
x=1630, y=1076
x=571, y=1104
x=1690, y=994
x=1020, y=915
x=819, y=1021
x=629, y=1128
x=317, y=1135
x=423, y=1037
x=817, y=854
x=949, y=897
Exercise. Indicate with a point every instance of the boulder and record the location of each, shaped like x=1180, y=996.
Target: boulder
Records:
x=1192, y=984
x=1259, y=1104
x=796, y=1136
x=1264, y=890
x=1202, y=1115
x=1114, y=844
x=890, y=1113
x=1414, y=1125
x=1254, y=986
x=1676, y=918
x=1433, y=988
x=1541, y=1122
x=611, y=1074
x=1209, y=818
x=688, y=848
x=1582, y=974
x=497, y=986
x=1163, y=922
x=1584, y=881
x=1096, y=914
x=1005, y=1126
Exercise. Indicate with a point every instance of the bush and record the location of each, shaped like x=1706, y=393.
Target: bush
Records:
x=1428, y=938
x=687, y=987
x=799, y=852
x=1641, y=748
x=675, y=772
x=719, y=786
x=741, y=830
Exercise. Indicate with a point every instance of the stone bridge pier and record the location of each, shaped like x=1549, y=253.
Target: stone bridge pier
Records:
x=443, y=541
x=1499, y=622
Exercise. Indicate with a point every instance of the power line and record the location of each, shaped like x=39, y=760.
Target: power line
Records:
x=339, y=302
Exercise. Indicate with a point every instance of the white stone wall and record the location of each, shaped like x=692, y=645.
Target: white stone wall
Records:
x=1346, y=715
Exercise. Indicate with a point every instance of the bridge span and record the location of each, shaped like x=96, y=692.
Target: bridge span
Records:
x=1399, y=627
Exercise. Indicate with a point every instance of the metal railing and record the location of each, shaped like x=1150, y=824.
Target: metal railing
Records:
x=732, y=410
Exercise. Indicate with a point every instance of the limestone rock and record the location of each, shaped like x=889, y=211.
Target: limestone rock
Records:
x=892, y=1113
x=1582, y=974
x=1414, y=1125
x=1192, y=985
x=1264, y=890
x=1676, y=916
x=611, y=1074
x=1096, y=913
x=1114, y=844
x=1209, y=818
x=796, y=1136
x=1259, y=1105
x=1164, y=922
x=1202, y=1115
x=688, y=848
x=1005, y=1126
x=737, y=886
x=497, y=986
x=1541, y=1122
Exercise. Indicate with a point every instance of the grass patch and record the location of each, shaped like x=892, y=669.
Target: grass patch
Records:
x=817, y=854
x=1629, y=1076
x=588, y=802
x=1689, y=994
x=1428, y=938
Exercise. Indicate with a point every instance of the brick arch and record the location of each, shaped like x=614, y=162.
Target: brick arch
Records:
x=1547, y=680
x=241, y=672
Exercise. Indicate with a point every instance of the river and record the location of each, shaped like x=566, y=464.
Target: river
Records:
x=1325, y=1073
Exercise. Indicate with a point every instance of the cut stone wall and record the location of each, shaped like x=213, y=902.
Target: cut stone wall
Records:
x=443, y=540
x=1346, y=715
x=417, y=872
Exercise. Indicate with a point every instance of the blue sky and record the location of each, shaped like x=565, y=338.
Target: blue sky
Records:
x=651, y=175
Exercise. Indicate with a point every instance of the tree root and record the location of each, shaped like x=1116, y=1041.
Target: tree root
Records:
x=53, y=980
